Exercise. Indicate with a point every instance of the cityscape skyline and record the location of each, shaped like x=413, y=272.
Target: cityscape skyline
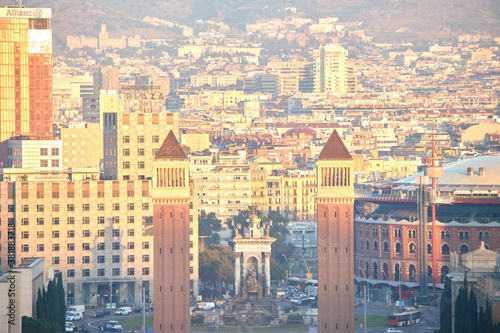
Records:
x=108, y=142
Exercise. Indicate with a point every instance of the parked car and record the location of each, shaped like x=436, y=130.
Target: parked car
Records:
x=138, y=309
x=100, y=314
x=72, y=316
x=112, y=326
x=76, y=308
x=393, y=330
x=123, y=311
x=81, y=328
x=69, y=327
x=305, y=301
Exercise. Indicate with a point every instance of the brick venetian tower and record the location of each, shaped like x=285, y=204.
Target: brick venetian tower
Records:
x=171, y=197
x=335, y=199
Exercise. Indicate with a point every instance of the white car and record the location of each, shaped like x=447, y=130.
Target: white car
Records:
x=74, y=316
x=393, y=330
x=123, y=311
x=69, y=327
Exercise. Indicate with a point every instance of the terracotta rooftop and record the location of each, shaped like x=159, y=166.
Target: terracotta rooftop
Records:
x=334, y=149
x=170, y=150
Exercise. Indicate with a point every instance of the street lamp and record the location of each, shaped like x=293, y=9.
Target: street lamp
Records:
x=364, y=293
x=289, y=265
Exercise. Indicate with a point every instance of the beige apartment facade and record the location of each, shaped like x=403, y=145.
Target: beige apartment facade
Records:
x=96, y=233
x=131, y=140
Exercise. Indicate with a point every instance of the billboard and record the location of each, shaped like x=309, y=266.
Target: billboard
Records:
x=40, y=41
x=25, y=12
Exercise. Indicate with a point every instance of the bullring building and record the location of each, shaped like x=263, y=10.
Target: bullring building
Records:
x=467, y=213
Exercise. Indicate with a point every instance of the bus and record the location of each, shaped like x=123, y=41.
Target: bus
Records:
x=296, y=282
x=311, y=288
x=409, y=316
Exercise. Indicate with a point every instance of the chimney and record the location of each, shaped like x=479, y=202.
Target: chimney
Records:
x=482, y=171
x=470, y=171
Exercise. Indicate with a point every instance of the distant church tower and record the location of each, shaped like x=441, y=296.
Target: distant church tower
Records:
x=335, y=201
x=171, y=197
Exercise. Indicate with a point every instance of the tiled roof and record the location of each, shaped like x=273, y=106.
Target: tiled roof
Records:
x=334, y=149
x=170, y=150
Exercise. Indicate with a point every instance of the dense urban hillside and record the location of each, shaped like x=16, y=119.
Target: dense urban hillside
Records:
x=422, y=19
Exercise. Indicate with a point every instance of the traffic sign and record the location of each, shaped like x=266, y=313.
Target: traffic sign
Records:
x=113, y=305
x=108, y=306
x=389, y=292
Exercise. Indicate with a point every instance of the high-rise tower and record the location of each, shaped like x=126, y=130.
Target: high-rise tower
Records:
x=171, y=198
x=332, y=71
x=335, y=201
x=25, y=72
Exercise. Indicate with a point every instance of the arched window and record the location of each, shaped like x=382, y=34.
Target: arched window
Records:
x=412, y=273
x=464, y=249
x=430, y=234
x=429, y=249
x=461, y=235
x=395, y=233
x=447, y=235
x=397, y=273
x=375, y=246
x=367, y=245
x=413, y=233
x=409, y=233
x=445, y=250
x=487, y=236
x=466, y=235
x=398, y=247
x=385, y=271
x=375, y=270
x=361, y=244
x=367, y=270
x=386, y=247
x=442, y=234
x=413, y=248
x=480, y=235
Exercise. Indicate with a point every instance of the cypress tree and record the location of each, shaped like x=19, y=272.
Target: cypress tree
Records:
x=488, y=320
x=39, y=305
x=481, y=324
x=61, y=300
x=461, y=308
x=471, y=314
x=445, y=308
x=53, y=303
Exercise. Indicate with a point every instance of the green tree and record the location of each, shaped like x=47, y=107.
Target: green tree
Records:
x=471, y=321
x=277, y=272
x=461, y=308
x=209, y=226
x=61, y=299
x=216, y=266
x=445, y=308
x=30, y=325
x=488, y=319
x=481, y=323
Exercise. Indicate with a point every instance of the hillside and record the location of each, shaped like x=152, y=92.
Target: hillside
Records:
x=421, y=19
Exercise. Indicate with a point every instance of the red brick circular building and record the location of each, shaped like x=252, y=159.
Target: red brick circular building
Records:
x=386, y=240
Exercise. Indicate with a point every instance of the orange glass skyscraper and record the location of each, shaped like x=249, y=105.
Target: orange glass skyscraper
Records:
x=25, y=72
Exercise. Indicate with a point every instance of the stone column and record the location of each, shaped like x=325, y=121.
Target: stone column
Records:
x=237, y=275
x=244, y=275
x=260, y=268
x=268, y=273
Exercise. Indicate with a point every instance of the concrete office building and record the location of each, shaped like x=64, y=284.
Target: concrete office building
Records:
x=332, y=72
x=132, y=139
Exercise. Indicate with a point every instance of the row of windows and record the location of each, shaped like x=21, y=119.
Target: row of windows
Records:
x=102, y=272
x=85, y=207
x=85, y=233
x=85, y=220
x=140, y=151
x=140, y=165
x=463, y=235
x=100, y=259
x=445, y=248
x=140, y=139
x=85, y=246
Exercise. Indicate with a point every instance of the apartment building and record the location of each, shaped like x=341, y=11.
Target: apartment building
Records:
x=131, y=140
x=332, y=72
